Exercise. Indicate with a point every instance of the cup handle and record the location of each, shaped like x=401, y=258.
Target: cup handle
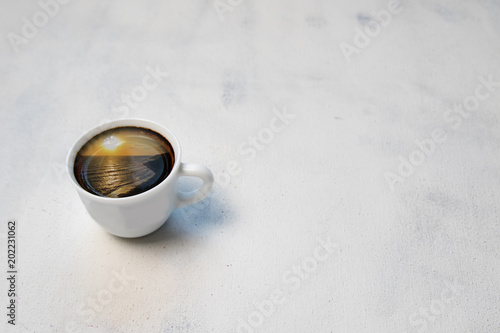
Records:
x=195, y=170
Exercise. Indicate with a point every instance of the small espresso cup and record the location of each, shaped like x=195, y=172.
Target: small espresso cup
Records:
x=140, y=214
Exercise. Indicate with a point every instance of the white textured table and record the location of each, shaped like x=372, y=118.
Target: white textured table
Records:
x=355, y=144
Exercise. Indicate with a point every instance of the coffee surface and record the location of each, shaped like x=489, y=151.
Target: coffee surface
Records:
x=123, y=161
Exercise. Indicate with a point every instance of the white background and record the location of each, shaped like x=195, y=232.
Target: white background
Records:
x=323, y=176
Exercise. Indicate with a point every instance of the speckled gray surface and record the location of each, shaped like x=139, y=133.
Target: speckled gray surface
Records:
x=352, y=193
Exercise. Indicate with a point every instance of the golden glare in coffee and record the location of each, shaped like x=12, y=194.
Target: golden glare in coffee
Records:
x=123, y=161
x=111, y=143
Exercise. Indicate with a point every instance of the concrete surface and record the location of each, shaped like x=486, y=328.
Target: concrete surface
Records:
x=353, y=194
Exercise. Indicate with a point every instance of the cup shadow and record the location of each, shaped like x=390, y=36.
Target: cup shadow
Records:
x=190, y=221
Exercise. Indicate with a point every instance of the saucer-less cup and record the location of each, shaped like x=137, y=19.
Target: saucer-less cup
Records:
x=141, y=214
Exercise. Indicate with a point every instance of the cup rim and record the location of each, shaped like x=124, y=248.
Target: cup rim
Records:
x=137, y=122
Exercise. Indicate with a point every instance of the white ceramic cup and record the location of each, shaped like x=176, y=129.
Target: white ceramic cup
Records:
x=143, y=213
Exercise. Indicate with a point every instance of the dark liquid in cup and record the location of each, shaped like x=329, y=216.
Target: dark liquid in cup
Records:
x=123, y=161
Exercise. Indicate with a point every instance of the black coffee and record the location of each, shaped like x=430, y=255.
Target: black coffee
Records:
x=123, y=161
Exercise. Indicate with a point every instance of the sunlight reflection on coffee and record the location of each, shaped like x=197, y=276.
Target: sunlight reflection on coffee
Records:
x=123, y=161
